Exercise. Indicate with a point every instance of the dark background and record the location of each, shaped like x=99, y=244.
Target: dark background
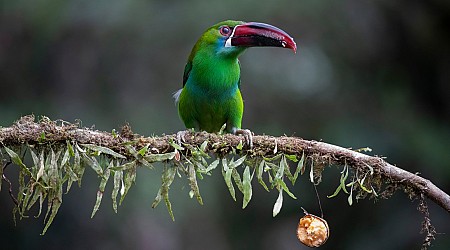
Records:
x=367, y=74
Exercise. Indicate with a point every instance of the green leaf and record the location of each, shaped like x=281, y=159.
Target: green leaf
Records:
x=238, y=162
x=350, y=196
x=55, y=204
x=278, y=204
x=222, y=129
x=300, y=166
x=259, y=172
x=129, y=178
x=42, y=137
x=203, y=146
x=344, y=175
x=125, y=166
x=53, y=170
x=240, y=145
x=193, y=183
x=93, y=163
x=101, y=189
x=72, y=176
x=36, y=194
x=39, y=163
x=291, y=157
x=175, y=145
x=336, y=192
x=160, y=157
x=237, y=179
x=247, y=186
x=270, y=159
x=344, y=178
x=118, y=179
x=280, y=171
x=66, y=158
x=226, y=172
x=16, y=160
x=167, y=179
x=42, y=196
x=143, y=150
x=286, y=189
x=70, y=148
x=212, y=166
x=103, y=150
x=361, y=184
x=287, y=172
x=78, y=168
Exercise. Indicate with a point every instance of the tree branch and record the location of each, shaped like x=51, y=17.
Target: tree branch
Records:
x=26, y=130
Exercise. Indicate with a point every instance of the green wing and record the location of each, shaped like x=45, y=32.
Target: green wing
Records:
x=187, y=71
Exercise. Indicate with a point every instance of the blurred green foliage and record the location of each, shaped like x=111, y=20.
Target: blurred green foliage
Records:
x=367, y=73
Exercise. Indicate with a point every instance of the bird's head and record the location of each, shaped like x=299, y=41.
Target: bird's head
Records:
x=230, y=38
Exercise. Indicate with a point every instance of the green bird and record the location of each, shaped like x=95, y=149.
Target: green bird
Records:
x=211, y=95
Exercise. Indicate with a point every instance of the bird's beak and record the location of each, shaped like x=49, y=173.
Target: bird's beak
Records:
x=260, y=34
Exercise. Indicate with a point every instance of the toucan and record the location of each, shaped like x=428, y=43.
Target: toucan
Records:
x=211, y=94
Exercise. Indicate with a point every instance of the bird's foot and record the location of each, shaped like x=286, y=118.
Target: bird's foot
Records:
x=181, y=136
x=248, y=136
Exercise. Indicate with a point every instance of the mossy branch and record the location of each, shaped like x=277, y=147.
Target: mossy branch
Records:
x=66, y=148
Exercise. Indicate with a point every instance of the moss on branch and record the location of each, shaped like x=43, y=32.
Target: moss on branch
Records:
x=61, y=151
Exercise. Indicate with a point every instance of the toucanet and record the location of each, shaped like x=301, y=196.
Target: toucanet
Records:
x=211, y=95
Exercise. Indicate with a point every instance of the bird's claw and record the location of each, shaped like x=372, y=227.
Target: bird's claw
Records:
x=248, y=136
x=181, y=136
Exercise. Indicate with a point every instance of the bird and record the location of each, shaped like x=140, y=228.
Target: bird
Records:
x=211, y=94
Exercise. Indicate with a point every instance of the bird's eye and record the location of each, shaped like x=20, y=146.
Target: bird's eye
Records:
x=225, y=30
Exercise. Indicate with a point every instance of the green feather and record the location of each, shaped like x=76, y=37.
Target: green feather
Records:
x=211, y=96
